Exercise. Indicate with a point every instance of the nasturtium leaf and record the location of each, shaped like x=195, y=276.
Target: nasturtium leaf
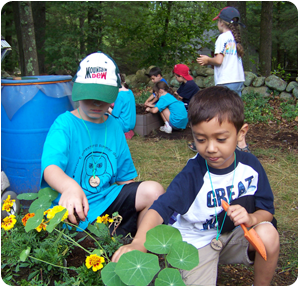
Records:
x=110, y=277
x=48, y=192
x=27, y=196
x=137, y=268
x=183, y=256
x=97, y=252
x=55, y=220
x=24, y=254
x=169, y=277
x=160, y=239
x=41, y=203
x=34, y=221
x=99, y=230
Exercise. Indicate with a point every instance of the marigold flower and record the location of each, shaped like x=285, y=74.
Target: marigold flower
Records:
x=8, y=203
x=27, y=217
x=42, y=226
x=104, y=219
x=8, y=222
x=94, y=261
x=58, y=208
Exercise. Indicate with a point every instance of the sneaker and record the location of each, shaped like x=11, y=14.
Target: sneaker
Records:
x=166, y=129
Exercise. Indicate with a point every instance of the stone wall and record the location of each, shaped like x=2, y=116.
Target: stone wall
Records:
x=204, y=77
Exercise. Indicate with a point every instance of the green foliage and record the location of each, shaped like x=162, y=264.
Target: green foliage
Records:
x=289, y=110
x=138, y=269
x=257, y=109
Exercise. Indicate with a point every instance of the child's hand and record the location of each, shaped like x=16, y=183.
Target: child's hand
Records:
x=239, y=215
x=147, y=109
x=74, y=199
x=127, y=248
x=203, y=59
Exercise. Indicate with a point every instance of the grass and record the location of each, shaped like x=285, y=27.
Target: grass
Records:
x=161, y=160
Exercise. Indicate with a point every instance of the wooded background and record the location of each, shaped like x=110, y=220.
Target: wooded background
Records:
x=51, y=37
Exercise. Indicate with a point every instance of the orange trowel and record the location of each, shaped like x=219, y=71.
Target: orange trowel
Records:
x=251, y=236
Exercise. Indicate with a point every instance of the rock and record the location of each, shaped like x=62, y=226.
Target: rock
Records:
x=261, y=90
x=249, y=77
x=275, y=83
x=258, y=82
x=199, y=81
x=295, y=92
x=285, y=95
x=141, y=78
x=174, y=83
x=291, y=86
x=209, y=81
x=202, y=71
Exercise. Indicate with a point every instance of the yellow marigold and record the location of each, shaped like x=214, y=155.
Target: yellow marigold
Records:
x=8, y=222
x=8, y=203
x=58, y=208
x=27, y=217
x=94, y=261
x=104, y=219
x=42, y=226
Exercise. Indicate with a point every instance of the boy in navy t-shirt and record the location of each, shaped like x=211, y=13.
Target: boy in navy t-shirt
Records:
x=218, y=172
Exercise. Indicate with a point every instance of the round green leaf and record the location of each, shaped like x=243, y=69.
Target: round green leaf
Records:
x=27, y=196
x=41, y=203
x=137, y=268
x=160, y=239
x=24, y=254
x=183, y=256
x=55, y=220
x=169, y=277
x=48, y=192
x=35, y=221
x=110, y=277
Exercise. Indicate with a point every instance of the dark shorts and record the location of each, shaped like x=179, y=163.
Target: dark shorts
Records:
x=124, y=204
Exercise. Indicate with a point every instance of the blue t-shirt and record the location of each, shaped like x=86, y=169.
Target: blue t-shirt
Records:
x=69, y=147
x=124, y=110
x=178, y=113
x=187, y=91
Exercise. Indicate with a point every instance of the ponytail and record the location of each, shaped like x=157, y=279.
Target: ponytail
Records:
x=237, y=37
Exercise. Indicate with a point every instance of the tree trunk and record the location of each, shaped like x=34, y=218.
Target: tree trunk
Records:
x=241, y=7
x=265, y=48
x=39, y=20
x=27, y=46
x=94, y=38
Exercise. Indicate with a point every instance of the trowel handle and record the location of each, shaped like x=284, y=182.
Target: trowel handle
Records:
x=225, y=205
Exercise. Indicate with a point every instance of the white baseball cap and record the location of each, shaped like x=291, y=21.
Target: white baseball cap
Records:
x=97, y=78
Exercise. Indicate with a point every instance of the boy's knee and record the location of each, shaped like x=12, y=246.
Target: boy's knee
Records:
x=269, y=236
x=150, y=190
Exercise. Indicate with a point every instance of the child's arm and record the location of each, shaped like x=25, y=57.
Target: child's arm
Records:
x=72, y=195
x=239, y=215
x=150, y=220
x=206, y=60
x=150, y=100
x=153, y=110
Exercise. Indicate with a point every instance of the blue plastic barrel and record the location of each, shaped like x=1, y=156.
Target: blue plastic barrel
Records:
x=28, y=108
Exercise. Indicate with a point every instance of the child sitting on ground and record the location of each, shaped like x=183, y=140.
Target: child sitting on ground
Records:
x=156, y=76
x=86, y=157
x=171, y=110
x=217, y=172
x=188, y=87
x=124, y=107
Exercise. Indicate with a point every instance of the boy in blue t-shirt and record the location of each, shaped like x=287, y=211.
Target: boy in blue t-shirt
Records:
x=218, y=172
x=155, y=75
x=86, y=157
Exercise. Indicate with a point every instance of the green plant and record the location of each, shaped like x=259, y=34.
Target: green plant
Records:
x=289, y=110
x=280, y=72
x=257, y=109
x=45, y=239
x=138, y=269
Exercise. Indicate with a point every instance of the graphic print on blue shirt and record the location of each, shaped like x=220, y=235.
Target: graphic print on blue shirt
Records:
x=103, y=169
